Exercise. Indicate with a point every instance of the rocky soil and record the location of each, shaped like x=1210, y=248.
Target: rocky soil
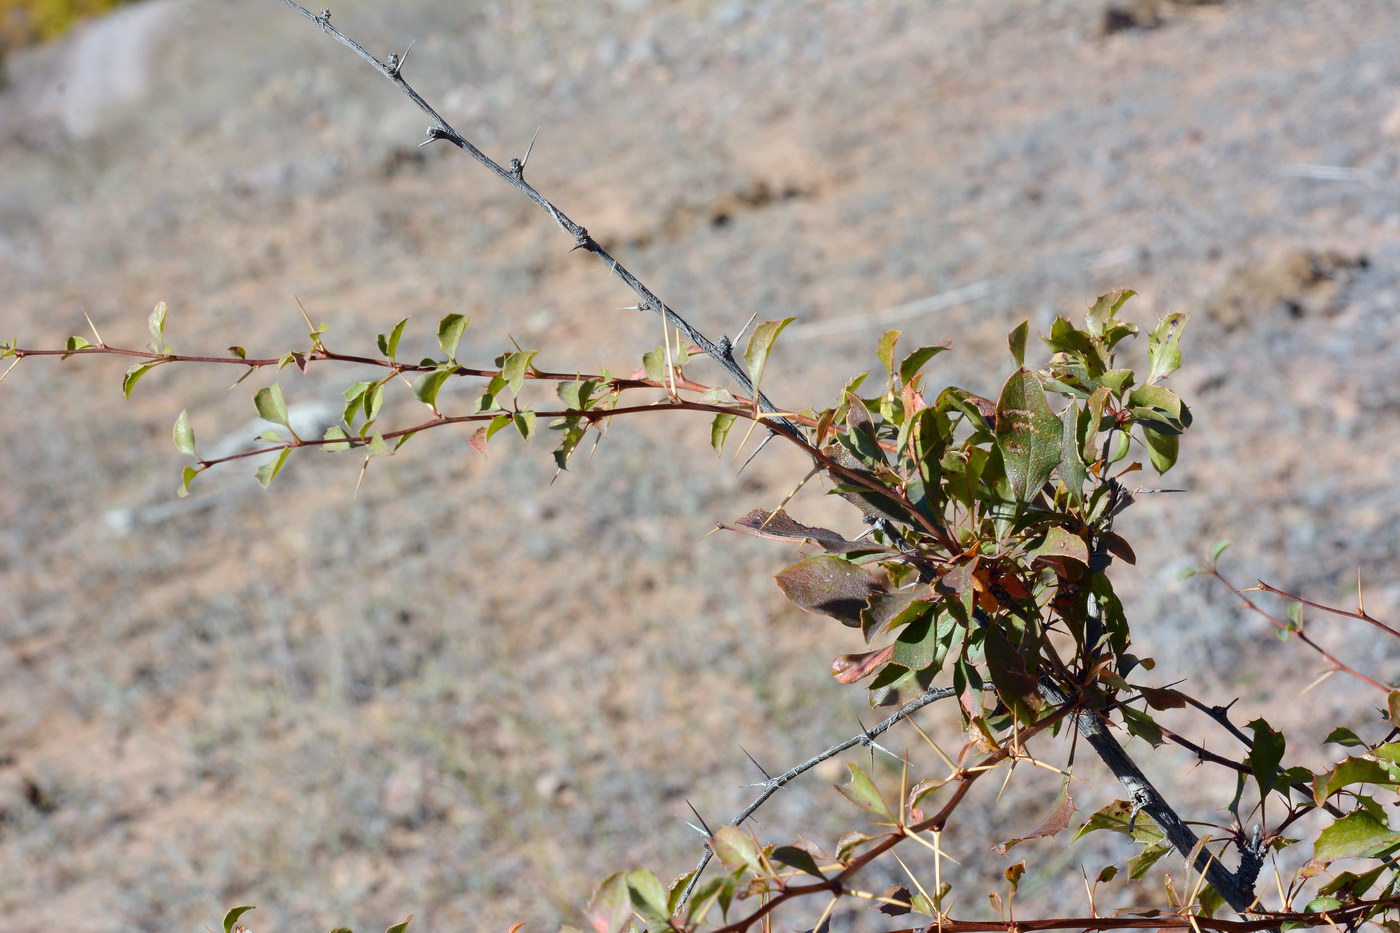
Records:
x=474, y=689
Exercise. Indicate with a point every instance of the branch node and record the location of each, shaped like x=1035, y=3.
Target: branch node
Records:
x=325, y=16
x=583, y=241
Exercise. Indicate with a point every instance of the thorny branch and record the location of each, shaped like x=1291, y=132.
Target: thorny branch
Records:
x=773, y=784
x=963, y=778
x=514, y=176
x=1332, y=660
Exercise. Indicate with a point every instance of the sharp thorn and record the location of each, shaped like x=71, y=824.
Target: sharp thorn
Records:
x=760, y=767
x=758, y=450
x=740, y=336
x=528, y=149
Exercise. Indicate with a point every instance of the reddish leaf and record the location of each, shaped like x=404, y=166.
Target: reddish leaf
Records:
x=850, y=668
x=830, y=586
x=781, y=525
x=1057, y=819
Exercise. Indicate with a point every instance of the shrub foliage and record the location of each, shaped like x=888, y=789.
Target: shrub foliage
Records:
x=984, y=577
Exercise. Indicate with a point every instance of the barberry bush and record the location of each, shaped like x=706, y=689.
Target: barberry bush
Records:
x=983, y=578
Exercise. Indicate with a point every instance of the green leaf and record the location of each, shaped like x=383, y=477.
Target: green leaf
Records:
x=1344, y=736
x=1164, y=347
x=498, y=422
x=77, y=343
x=514, y=367
x=1158, y=408
x=1216, y=551
x=389, y=346
x=915, y=362
x=426, y=386
x=1348, y=772
x=1073, y=471
x=450, y=332
x=268, y=471
x=760, y=345
x=705, y=896
x=133, y=375
x=1266, y=755
x=830, y=586
x=376, y=446
x=648, y=896
x=1139, y=864
x=926, y=641
x=1028, y=434
x=1103, y=320
x=1358, y=833
x=1117, y=817
x=1061, y=543
x=610, y=909
x=674, y=892
x=1017, y=342
x=184, y=434
x=354, y=401
x=525, y=423
x=719, y=430
x=373, y=400
x=718, y=397
x=400, y=927
x=885, y=350
x=654, y=364
x=736, y=849
x=335, y=433
x=186, y=477
x=573, y=433
x=798, y=858
x=271, y=405
x=860, y=790
x=156, y=324
x=232, y=916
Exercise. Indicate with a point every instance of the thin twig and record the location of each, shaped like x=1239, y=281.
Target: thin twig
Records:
x=774, y=784
x=440, y=129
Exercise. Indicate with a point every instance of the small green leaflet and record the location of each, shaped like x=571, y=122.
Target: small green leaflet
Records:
x=156, y=324
x=271, y=405
x=760, y=345
x=1017, y=342
x=339, y=438
x=885, y=351
x=513, y=369
x=232, y=916
x=184, y=434
x=913, y=363
x=133, y=375
x=1164, y=347
x=426, y=386
x=268, y=471
x=389, y=346
x=719, y=430
x=450, y=332
x=189, y=474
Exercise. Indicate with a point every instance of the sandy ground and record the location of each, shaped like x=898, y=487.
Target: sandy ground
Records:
x=474, y=689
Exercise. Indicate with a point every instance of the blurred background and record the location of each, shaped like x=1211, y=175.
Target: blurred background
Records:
x=474, y=689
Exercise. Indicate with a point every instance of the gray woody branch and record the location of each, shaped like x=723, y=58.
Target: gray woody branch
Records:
x=514, y=175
